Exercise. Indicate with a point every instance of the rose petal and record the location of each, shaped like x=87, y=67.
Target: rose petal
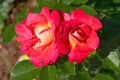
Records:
x=77, y=14
x=93, y=41
x=27, y=45
x=55, y=17
x=35, y=18
x=23, y=31
x=46, y=12
x=94, y=23
x=79, y=53
x=46, y=56
x=81, y=50
x=67, y=16
x=85, y=29
x=91, y=21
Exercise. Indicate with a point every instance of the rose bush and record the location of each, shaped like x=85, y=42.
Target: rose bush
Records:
x=70, y=34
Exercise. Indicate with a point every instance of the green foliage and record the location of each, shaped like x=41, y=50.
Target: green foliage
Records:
x=114, y=57
x=20, y=17
x=81, y=73
x=48, y=73
x=54, y=5
x=103, y=77
x=24, y=70
x=9, y=33
x=67, y=67
x=77, y=2
x=88, y=10
x=68, y=2
x=116, y=1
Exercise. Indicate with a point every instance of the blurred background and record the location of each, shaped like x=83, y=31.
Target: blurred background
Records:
x=105, y=60
x=9, y=50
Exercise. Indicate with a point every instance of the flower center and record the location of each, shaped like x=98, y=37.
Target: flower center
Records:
x=79, y=35
x=45, y=34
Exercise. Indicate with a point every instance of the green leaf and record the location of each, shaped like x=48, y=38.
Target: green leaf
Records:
x=114, y=57
x=36, y=9
x=55, y=5
x=62, y=6
x=24, y=70
x=9, y=33
x=101, y=76
x=67, y=67
x=67, y=1
x=109, y=64
x=62, y=75
x=48, y=73
x=79, y=1
x=21, y=15
x=116, y=1
x=88, y=10
x=81, y=73
x=43, y=3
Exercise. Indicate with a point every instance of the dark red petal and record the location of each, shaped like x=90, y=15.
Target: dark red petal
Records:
x=35, y=18
x=61, y=39
x=63, y=46
x=85, y=29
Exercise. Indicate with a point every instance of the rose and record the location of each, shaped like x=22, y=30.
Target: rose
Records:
x=36, y=37
x=80, y=30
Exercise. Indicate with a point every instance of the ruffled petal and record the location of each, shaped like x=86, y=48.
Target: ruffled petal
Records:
x=35, y=18
x=94, y=23
x=91, y=21
x=46, y=12
x=46, y=56
x=23, y=32
x=27, y=45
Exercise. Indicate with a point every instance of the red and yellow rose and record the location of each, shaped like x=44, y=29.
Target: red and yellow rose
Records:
x=36, y=38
